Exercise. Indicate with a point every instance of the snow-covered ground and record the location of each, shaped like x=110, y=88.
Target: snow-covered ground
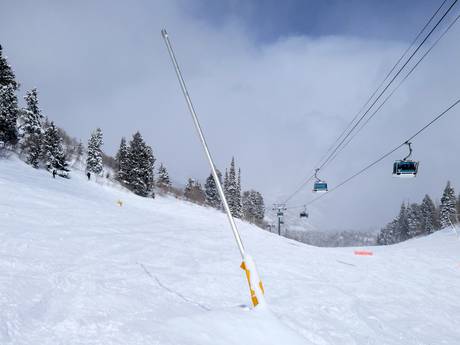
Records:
x=76, y=268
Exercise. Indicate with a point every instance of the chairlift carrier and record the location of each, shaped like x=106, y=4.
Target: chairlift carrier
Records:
x=304, y=214
x=406, y=168
x=319, y=186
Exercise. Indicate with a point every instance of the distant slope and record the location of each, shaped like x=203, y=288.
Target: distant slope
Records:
x=75, y=268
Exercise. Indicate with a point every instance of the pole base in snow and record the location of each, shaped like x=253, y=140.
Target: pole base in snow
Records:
x=256, y=287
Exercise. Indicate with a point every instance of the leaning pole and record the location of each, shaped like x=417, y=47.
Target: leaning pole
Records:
x=255, y=284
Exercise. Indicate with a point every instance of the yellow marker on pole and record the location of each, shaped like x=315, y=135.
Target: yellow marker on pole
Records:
x=255, y=285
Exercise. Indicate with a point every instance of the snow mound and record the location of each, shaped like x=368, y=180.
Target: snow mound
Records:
x=230, y=326
x=78, y=268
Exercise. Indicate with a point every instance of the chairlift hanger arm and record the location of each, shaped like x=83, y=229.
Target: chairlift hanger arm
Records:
x=408, y=143
x=316, y=175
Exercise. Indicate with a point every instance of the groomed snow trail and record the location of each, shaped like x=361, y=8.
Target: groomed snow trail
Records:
x=75, y=268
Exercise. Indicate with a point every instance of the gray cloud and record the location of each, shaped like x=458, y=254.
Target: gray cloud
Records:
x=276, y=106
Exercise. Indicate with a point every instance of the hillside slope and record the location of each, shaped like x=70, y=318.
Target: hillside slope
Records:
x=76, y=268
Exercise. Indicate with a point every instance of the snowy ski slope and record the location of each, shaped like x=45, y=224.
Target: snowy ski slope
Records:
x=76, y=268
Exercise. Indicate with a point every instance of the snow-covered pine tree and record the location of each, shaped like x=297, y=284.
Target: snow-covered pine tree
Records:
x=8, y=116
x=189, y=188
x=381, y=237
x=7, y=77
x=211, y=192
x=122, y=162
x=94, y=159
x=402, y=231
x=389, y=234
x=414, y=220
x=149, y=165
x=53, y=152
x=226, y=183
x=458, y=208
x=140, y=175
x=163, y=180
x=232, y=191
x=239, y=203
x=253, y=206
x=232, y=188
x=428, y=215
x=248, y=206
x=260, y=207
x=8, y=104
x=448, y=209
x=30, y=129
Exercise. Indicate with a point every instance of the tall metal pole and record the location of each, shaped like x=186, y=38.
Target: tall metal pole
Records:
x=205, y=146
x=279, y=225
x=279, y=208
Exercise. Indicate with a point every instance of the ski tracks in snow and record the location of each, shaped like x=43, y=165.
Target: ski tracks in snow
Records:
x=171, y=291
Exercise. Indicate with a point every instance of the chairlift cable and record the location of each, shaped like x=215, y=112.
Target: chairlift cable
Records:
x=397, y=87
x=388, y=85
x=386, y=154
x=384, y=79
x=334, y=154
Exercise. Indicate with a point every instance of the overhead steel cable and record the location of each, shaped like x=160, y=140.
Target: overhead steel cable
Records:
x=389, y=83
x=385, y=155
x=334, y=153
x=399, y=84
x=299, y=188
x=385, y=79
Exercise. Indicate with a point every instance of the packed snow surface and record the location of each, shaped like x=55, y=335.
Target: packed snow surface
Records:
x=77, y=268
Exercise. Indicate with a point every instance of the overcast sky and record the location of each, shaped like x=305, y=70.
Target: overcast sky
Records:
x=273, y=85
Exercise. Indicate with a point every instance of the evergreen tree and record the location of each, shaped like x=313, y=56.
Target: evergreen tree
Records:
x=448, y=212
x=458, y=208
x=253, y=206
x=163, y=180
x=30, y=128
x=239, y=203
x=233, y=197
x=226, y=183
x=140, y=165
x=122, y=162
x=428, y=215
x=248, y=206
x=389, y=234
x=8, y=116
x=402, y=231
x=94, y=159
x=189, y=188
x=7, y=77
x=381, y=241
x=260, y=207
x=211, y=192
x=414, y=220
x=52, y=150
x=8, y=103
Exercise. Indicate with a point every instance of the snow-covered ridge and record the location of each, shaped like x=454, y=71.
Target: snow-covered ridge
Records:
x=78, y=268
